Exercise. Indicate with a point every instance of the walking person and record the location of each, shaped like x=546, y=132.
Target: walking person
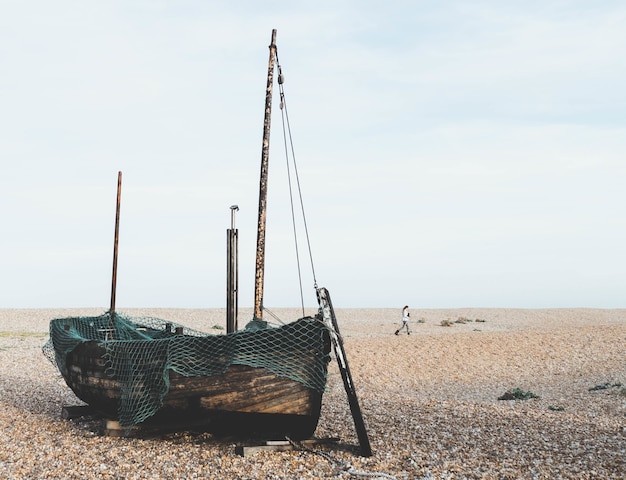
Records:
x=405, y=321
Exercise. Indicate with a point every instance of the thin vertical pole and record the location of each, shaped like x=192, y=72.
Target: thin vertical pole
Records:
x=116, y=240
x=232, y=274
x=229, y=280
x=236, y=273
x=260, y=242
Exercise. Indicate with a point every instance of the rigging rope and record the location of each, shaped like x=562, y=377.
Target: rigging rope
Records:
x=287, y=134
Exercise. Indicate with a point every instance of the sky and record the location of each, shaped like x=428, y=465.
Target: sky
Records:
x=450, y=153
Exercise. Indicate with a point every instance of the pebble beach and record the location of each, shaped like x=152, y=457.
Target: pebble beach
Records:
x=430, y=401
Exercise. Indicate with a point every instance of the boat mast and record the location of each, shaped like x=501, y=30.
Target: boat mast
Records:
x=260, y=239
x=116, y=241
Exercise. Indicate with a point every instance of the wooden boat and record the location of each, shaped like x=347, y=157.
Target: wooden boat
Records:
x=266, y=382
x=256, y=381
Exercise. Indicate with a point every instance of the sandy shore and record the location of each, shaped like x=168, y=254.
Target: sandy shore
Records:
x=430, y=402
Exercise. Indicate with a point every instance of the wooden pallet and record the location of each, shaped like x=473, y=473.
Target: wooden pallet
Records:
x=282, y=446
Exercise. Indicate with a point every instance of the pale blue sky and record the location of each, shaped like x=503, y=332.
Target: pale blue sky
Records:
x=452, y=153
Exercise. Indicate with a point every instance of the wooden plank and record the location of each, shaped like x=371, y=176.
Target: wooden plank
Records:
x=247, y=451
x=344, y=368
x=69, y=412
x=307, y=442
x=282, y=446
x=112, y=428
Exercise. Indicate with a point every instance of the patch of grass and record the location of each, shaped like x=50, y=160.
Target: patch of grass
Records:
x=217, y=327
x=556, y=408
x=602, y=386
x=605, y=386
x=463, y=320
x=517, y=394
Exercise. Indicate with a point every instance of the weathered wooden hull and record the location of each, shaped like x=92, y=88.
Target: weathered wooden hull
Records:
x=242, y=401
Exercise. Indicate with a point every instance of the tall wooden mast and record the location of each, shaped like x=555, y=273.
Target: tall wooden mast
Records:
x=265, y=155
x=116, y=241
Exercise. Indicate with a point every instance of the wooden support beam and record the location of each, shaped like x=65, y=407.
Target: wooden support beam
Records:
x=112, y=428
x=342, y=361
x=282, y=446
x=70, y=412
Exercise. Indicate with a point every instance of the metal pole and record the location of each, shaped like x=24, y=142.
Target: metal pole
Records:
x=232, y=274
x=116, y=240
x=260, y=242
x=234, y=270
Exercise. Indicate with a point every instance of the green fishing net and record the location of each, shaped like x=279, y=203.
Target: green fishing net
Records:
x=140, y=352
